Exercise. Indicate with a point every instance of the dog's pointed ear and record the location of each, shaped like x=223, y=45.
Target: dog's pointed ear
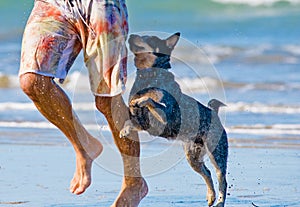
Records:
x=135, y=39
x=172, y=40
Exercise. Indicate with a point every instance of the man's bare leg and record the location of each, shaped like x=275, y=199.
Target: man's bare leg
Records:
x=134, y=187
x=54, y=104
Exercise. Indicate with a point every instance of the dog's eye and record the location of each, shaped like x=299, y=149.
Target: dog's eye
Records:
x=140, y=48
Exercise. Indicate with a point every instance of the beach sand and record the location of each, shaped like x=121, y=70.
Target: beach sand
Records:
x=39, y=175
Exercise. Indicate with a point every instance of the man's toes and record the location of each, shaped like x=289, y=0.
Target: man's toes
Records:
x=79, y=190
x=73, y=186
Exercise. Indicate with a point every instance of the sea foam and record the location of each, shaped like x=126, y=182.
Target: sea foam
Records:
x=256, y=2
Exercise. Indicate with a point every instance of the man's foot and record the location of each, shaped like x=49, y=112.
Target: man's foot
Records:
x=82, y=176
x=131, y=195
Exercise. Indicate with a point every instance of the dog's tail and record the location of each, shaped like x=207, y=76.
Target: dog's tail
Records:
x=215, y=104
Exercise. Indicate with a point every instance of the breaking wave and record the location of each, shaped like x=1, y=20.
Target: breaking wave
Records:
x=257, y=129
x=260, y=108
x=187, y=84
x=257, y=2
x=257, y=108
x=256, y=54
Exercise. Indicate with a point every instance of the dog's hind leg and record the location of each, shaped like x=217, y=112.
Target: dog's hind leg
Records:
x=219, y=159
x=194, y=154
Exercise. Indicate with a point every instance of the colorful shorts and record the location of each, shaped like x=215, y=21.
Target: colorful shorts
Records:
x=57, y=30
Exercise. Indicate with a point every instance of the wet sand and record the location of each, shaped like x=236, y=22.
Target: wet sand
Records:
x=39, y=175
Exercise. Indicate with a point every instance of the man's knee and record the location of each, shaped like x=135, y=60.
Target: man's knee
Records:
x=27, y=83
x=103, y=104
x=108, y=104
x=31, y=83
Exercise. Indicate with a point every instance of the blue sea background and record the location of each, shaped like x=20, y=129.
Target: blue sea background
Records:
x=243, y=52
x=246, y=54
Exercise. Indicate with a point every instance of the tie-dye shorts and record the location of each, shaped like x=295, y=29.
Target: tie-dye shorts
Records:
x=57, y=30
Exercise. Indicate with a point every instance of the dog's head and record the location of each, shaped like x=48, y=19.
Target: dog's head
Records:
x=151, y=51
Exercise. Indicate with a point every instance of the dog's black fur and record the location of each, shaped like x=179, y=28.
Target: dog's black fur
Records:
x=158, y=106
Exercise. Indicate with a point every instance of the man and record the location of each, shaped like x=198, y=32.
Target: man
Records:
x=56, y=31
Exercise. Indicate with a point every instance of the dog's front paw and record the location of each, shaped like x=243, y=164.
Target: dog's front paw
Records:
x=128, y=127
x=125, y=132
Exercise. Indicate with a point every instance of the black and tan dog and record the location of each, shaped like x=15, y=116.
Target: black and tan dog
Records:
x=158, y=106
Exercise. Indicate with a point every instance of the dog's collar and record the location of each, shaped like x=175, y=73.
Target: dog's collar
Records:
x=162, y=61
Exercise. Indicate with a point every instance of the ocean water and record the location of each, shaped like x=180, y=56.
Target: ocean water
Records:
x=243, y=52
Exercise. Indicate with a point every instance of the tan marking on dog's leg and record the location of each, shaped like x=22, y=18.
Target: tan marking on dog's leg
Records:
x=194, y=156
x=146, y=101
x=157, y=115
